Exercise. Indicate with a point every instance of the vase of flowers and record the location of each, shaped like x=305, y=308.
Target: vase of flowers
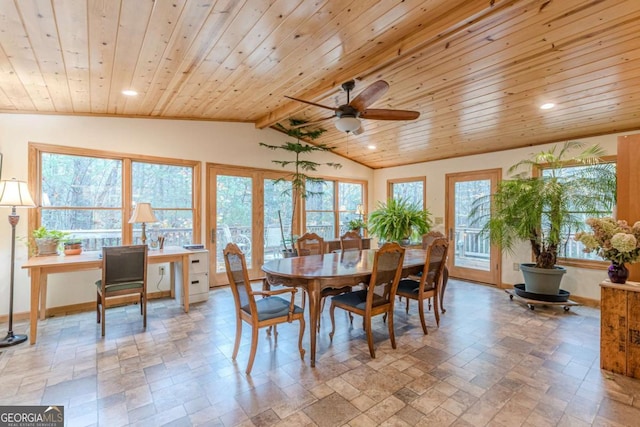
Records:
x=614, y=240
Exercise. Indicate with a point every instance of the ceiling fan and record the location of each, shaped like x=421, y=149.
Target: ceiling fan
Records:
x=349, y=114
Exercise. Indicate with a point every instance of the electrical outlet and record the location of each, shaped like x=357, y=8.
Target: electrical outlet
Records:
x=161, y=270
x=516, y=266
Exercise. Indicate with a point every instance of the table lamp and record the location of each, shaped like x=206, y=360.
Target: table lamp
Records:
x=143, y=213
x=14, y=193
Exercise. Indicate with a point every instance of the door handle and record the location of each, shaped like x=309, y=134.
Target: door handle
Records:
x=213, y=235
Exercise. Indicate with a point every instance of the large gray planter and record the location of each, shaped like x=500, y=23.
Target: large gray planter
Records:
x=544, y=281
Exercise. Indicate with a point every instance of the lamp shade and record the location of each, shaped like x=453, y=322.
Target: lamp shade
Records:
x=347, y=123
x=15, y=193
x=143, y=213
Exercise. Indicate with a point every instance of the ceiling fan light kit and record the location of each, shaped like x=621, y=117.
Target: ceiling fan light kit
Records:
x=349, y=114
x=347, y=124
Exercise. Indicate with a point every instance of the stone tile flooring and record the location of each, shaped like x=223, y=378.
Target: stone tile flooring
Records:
x=492, y=362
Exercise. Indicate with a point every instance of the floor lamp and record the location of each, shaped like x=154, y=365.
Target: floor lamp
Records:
x=13, y=193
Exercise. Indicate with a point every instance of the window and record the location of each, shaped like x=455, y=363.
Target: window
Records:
x=331, y=205
x=570, y=250
x=91, y=194
x=411, y=189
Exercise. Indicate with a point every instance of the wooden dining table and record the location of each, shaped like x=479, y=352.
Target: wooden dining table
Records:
x=332, y=270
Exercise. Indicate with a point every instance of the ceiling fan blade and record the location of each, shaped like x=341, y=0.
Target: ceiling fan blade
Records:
x=312, y=103
x=383, y=114
x=370, y=95
x=301, y=125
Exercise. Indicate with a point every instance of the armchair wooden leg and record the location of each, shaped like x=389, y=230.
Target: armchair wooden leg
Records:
x=254, y=346
x=236, y=346
x=369, y=332
x=436, y=310
x=407, y=308
x=421, y=311
x=301, y=334
x=392, y=334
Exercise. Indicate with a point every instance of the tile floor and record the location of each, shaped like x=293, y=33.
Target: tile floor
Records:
x=492, y=362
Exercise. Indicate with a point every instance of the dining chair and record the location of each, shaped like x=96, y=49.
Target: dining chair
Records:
x=124, y=272
x=310, y=244
x=258, y=312
x=379, y=295
x=430, y=282
x=427, y=239
x=351, y=240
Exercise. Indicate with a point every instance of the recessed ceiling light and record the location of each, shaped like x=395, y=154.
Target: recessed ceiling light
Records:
x=547, y=106
x=129, y=92
x=371, y=147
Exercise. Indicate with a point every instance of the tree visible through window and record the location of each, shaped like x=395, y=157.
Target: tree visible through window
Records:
x=84, y=194
x=411, y=190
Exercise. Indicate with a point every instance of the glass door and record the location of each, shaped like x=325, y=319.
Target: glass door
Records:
x=278, y=208
x=231, y=210
x=471, y=255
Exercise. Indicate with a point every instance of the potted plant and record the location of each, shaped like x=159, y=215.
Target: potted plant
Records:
x=541, y=209
x=397, y=220
x=72, y=247
x=298, y=177
x=357, y=225
x=47, y=241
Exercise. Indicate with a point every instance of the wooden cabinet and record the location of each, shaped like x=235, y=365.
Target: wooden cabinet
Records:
x=620, y=328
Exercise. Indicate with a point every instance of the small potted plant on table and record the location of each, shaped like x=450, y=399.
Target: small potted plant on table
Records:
x=47, y=241
x=72, y=247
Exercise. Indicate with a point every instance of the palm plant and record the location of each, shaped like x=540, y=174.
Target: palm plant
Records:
x=398, y=220
x=543, y=209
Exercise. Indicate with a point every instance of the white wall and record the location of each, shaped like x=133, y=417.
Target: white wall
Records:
x=215, y=142
x=578, y=281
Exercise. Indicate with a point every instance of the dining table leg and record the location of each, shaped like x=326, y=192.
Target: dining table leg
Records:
x=313, y=290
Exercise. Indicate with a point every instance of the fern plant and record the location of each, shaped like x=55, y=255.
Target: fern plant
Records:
x=398, y=220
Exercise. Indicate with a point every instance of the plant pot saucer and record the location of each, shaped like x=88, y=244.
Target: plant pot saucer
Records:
x=562, y=295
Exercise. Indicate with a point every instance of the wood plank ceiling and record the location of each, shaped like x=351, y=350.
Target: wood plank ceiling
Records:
x=476, y=70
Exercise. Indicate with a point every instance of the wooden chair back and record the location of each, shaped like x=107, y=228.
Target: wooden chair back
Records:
x=238, y=275
x=429, y=237
x=351, y=240
x=387, y=269
x=434, y=266
x=310, y=244
x=124, y=272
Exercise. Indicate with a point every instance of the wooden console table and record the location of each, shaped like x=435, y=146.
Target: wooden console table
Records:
x=40, y=267
x=620, y=328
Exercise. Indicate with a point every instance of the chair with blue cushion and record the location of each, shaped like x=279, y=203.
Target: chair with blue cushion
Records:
x=379, y=295
x=430, y=281
x=262, y=312
x=124, y=272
